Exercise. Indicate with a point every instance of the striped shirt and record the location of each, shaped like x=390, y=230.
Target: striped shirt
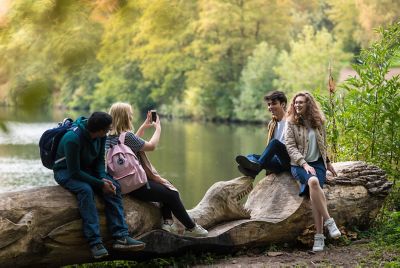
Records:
x=131, y=140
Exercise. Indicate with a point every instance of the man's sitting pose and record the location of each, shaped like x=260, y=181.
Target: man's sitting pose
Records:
x=275, y=158
x=80, y=168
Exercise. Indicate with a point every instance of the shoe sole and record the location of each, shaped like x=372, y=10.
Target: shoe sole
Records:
x=337, y=235
x=246, y=163
x=246, y=173
x=100, y=256
x=130, y=247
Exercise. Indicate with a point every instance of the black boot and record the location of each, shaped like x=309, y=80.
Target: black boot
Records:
x=247, y=172
x=248, y=164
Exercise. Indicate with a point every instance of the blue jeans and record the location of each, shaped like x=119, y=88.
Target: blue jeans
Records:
x=300, y=174
x=84, y=192
x=274, y=158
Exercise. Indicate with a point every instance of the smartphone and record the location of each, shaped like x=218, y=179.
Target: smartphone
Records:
x=153, y=115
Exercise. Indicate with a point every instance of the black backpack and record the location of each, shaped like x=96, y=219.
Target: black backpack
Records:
x=50, y=139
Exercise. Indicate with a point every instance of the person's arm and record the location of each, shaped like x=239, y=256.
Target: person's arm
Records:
x=100, y=166
x=72, y=155
x=291, y=146
x=153, y=142
x=146, y=124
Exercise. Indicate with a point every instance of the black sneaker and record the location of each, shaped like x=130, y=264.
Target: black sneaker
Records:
x=247, y=172
x=128, y=243
x=99, y=251
x=248, y=164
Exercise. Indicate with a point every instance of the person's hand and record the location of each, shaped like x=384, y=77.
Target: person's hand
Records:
x=157, y=124
x=309, y=169
x=331, y=169
x=147, y=122
x=108, y=187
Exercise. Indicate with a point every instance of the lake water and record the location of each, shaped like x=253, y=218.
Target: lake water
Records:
x=192, y=155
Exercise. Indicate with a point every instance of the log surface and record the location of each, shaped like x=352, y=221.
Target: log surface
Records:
x=42, y=227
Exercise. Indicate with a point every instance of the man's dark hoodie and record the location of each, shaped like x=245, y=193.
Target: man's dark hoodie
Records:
x=84, y=156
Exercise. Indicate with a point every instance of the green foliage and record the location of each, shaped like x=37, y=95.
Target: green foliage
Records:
x=206, y=57
x=256, y=80
x=368, y=112
x=305, y=66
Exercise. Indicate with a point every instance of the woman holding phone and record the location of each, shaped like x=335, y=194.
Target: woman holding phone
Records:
x=306, y=145
x=158, y=189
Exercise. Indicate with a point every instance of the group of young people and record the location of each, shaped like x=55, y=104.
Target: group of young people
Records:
x=296, y=142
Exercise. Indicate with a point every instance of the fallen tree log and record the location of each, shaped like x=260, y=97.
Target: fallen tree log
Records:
x=42, y=226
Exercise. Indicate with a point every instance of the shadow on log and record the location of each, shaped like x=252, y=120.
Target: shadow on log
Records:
x=41, y=227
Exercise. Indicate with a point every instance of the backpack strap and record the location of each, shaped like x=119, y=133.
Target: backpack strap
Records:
x=122, y=137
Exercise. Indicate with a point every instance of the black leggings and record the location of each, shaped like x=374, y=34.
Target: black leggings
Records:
x=170, y=200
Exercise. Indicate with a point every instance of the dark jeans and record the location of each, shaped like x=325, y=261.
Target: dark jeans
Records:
x=85, y=194
x=274, y=158
x=171, y=202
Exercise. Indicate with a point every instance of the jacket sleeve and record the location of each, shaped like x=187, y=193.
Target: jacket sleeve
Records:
x=72, y=155
x=101, y=162
x=291, y=146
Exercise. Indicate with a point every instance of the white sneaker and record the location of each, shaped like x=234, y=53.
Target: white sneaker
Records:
x=332, y=228
x=319, y=242
x=171, y=228
x=197, y=231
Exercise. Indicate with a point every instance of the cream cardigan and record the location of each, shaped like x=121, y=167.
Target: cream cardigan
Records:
x=296, y=139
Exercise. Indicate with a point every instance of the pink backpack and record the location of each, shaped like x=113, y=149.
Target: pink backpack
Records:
x=125, y=167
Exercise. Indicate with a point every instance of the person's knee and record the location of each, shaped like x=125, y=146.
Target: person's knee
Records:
x=171, y=196
x=313, y=183
x=85, y=192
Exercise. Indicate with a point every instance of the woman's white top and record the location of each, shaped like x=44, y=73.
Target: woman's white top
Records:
x=313, y=151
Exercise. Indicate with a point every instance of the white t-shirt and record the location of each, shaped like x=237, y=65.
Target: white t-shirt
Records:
x=280, y=130
x=313, y=151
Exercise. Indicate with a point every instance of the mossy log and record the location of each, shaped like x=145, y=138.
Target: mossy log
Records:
x=42, y=227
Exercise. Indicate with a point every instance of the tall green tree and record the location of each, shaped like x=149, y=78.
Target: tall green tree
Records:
x=305, y=66
x=256, y=80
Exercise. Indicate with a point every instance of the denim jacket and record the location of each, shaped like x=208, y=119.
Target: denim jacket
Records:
x=296, y=139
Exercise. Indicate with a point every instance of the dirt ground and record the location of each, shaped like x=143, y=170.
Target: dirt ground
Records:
x=355, y=255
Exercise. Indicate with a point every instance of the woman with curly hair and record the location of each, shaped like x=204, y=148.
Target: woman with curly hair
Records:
x=306, y=145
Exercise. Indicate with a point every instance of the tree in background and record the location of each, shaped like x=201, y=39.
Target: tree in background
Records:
x=188, y=57
x=354, y=21
x=256, y=80
x=48, y=51
x=304, y=67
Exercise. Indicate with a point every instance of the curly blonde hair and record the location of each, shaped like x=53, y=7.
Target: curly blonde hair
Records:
x=313, y=114
x=122, y=115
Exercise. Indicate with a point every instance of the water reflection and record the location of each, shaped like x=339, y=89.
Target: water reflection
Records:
x=192, y=155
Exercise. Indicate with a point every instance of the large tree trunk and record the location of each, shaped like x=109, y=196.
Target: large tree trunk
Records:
x=42, y=226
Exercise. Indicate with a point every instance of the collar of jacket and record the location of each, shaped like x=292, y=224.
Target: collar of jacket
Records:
x=271, y=128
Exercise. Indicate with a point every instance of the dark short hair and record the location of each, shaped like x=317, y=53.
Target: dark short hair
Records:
x=276, y=95
x=99, y=121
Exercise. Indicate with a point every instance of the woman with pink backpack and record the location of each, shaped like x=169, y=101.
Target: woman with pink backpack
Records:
x=153, y=188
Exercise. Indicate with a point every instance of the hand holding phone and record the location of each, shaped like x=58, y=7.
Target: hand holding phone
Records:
x=153, y=115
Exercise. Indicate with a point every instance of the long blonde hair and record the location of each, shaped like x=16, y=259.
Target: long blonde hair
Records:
x=313, y=114
x=122, y=115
